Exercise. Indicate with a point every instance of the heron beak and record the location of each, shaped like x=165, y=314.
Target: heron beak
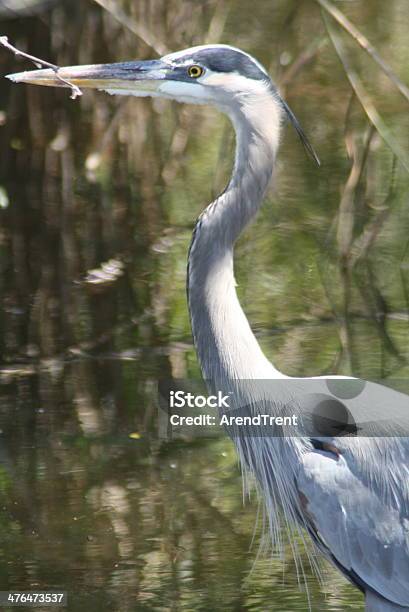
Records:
x=142, y=76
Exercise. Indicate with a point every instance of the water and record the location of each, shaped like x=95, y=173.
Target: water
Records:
x=134, y=523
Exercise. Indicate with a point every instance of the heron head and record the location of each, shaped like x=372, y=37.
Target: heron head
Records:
x=223, y=76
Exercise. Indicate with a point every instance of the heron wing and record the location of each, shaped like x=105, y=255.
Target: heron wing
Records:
x=365, y=530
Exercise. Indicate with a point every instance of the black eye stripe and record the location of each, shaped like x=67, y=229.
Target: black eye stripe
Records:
x=226, y=60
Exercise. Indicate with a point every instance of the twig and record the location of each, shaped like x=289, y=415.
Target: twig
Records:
x=365, y=100
x=365, y=44
x=136, y=28
x=217, y=22
x=346, y=212
x=403, y=266
x=304, y=58
x=39, y=63
x=364, y=242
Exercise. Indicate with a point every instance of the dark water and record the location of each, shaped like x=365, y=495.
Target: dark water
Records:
x=135, y=523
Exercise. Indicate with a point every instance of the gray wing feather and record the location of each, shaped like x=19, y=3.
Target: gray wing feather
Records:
x=363, y=525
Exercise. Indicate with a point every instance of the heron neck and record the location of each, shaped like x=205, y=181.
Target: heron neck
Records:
x=225, y=343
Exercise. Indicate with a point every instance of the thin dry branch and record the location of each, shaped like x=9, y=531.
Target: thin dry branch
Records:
x=365, y=100
x=346, y=212
x=39, y=63
x=306, y=56
x=403, y=267
x=217, y=22
x=363, y=243
x=111, y=6
x=364, y=44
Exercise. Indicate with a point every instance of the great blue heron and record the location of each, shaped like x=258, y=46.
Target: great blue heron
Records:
x=351, y=494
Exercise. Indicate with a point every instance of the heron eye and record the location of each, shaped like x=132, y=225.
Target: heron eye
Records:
x=195, y=71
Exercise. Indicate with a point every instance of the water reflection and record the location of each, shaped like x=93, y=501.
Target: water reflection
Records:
x=97, y=202
x=128, y=523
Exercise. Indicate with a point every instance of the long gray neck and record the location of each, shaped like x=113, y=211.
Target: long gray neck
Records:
x=225, y=343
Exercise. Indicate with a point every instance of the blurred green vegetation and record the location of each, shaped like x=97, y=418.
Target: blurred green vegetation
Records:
x=323, y=275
